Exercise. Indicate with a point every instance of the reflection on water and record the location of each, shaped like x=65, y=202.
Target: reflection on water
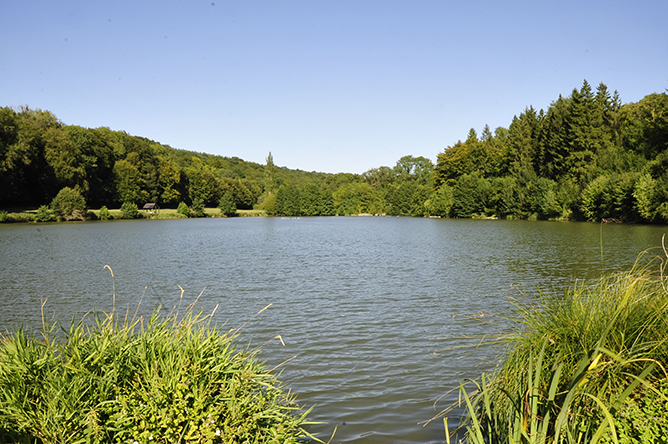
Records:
x=369, y=306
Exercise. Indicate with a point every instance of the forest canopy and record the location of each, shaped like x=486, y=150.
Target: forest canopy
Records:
x=587, y=157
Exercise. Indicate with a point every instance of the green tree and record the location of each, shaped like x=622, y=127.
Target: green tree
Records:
x=23, y=166
x=586, y=134
x=553, y=140
x=69, y=204
x=543, y=199
x=326, y=203
x=358, y=198
x=507, y=197
x=406, y=199
x=440, y=202
x=380, y=177
x=470, y=195
x=227, y=206
x=288, y=200
x=65, y=158
x=644, y=125
x=651, y=196
x=169, y=179
x=418, y=169
x=129, y=183
x=269, y=175
x=96, y=159
x=523, y=151
x=197, y=208
x=201, y=181
x=269, y=204
x=311, y=200
x=456, y=161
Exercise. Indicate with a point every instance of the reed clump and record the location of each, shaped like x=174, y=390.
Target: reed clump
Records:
x=584, y=367
x=168, y=379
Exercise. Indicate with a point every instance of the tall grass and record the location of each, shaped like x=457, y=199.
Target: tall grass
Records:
x=578, y=365
x=168, y=379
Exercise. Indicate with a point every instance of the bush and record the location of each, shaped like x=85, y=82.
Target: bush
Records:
x=129, y=210
x=227, y=206
x=4, y=216
x=69, y=204
x=44, y=214
x=183, y=209
x=172, y=379
x=104, y=213
x=197, y=208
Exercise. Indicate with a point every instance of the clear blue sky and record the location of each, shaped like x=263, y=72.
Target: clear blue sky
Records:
x=324, y=85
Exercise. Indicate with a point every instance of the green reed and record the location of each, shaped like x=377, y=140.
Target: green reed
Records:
x=167, y=379
x=578, y=363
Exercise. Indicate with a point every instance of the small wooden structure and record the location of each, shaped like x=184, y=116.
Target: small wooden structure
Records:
x=151, y=207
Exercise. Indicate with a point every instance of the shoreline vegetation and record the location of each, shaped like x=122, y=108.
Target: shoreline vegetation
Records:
x=30, y=215
x=586, y=157
x=164, y=379
x=584, y=367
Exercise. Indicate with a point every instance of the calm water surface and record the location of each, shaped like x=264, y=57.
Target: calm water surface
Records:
x=369, y=306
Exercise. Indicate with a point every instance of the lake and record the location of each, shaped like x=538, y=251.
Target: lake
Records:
x=370, y=306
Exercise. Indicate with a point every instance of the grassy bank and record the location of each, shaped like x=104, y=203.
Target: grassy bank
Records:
x=583, y=367
x=24, y=215
x=168, y=379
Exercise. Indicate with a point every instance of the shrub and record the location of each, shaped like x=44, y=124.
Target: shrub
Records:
x=227, y=206
x=163, y=380
x=69, y=204
x=4, y=216
x=197, y=208
x=183, y=209
x=104, y=213
x=44, y=214
x=129, y=210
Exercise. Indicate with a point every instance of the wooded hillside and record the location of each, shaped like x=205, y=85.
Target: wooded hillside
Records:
x=587, y=157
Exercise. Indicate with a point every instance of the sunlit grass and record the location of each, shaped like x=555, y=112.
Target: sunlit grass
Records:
x=167, y=379
x=583, y=367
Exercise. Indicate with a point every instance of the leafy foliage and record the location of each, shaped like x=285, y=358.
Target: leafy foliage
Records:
x=581, y=367
x=164, y=380
x=129, y=210
x=197, y=208
x=69, y=204
x=183, y=209
x=227, y=206
x=44, y=214
x=104, y=213
x=587, y=157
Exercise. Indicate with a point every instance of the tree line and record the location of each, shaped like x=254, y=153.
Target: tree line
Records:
x=588, y=157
